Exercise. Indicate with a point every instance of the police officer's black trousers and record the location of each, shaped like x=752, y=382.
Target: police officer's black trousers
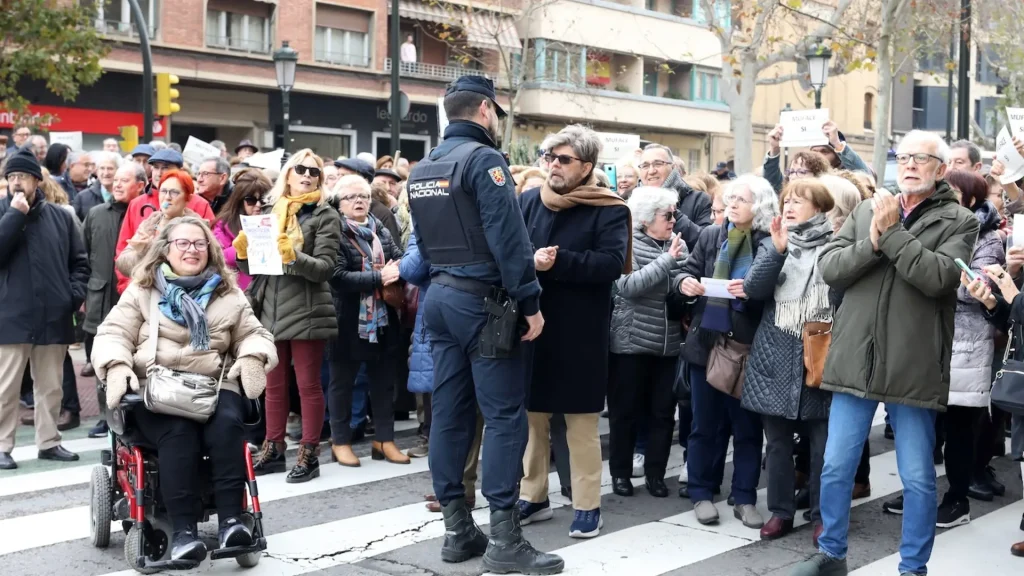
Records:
x=462, y=380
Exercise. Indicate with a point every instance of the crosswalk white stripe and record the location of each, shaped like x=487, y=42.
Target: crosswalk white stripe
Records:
x=78, y=472
x=983, y=546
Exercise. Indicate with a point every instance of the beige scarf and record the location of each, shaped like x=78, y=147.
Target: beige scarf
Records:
x=589, y=195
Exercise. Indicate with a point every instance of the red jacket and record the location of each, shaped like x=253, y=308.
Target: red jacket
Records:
x=138, y=210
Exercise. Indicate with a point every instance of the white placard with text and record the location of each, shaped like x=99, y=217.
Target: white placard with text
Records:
x=72, y=140
x=196, y=151
x=262, y=254
x=803, y=128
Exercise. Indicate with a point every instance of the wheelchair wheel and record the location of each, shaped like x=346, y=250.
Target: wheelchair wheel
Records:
x=157, y=548
x=251, y=559
x=100, y=509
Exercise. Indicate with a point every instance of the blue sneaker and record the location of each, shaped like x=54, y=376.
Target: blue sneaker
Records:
x=586, y=524
x=530, y=512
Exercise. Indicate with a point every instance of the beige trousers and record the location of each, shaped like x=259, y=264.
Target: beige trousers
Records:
x=47, y=364
x=584, y=459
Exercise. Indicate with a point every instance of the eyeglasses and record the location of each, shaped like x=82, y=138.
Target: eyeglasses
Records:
x=253, y=200
x=657, y=164
x=301, y=170
x=18, y=177
x=670, y=215
x=563, y=159
x=919, y=158
x=184, y=245
x=798, y=172
x=737, y=198
x=354, y=197
x=171, y=193
x=208, y=174
x=23, y=134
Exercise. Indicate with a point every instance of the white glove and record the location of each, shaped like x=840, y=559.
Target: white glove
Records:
x=253, y=375
x=119, y=378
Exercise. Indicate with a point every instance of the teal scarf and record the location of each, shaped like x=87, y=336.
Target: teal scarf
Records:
x=184, y=300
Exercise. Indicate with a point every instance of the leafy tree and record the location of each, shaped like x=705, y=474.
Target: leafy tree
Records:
x=55, y=43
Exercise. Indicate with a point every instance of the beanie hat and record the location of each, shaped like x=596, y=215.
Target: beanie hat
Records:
x=23, y=161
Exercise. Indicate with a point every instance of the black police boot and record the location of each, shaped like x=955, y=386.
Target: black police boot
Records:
x=233, y=533
x=463, y=539
x=187, y=547
x=508, y=552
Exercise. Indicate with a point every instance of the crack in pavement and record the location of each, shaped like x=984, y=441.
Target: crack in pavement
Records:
x=301, y=560
x=403, y=565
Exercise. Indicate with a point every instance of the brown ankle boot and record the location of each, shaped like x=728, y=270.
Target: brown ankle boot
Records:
x=344, y=455
x=270, y=458
x=388, y=451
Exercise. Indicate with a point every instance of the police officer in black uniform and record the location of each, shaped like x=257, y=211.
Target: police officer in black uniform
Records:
x=484, y=297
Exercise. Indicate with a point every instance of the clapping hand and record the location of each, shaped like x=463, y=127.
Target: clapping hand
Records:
x=886, y=214
x=544, y=258
x=780, y=235
x=979, y=290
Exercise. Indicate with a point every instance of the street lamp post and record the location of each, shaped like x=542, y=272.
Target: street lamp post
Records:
x=818, y=59
x=285, y=59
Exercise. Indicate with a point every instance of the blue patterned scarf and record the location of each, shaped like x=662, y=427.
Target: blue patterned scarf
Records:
x=184, y=299
x=373, y=313
x=734, y=260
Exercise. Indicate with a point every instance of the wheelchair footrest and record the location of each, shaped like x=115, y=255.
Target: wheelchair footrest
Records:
x=236, y=551
x=172, y=565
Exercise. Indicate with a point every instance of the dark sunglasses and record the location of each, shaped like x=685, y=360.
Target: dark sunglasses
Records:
x=563, y=159
x=252, y=200
x=301, y=170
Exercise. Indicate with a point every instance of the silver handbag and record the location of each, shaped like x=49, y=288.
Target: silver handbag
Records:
x=174, y=392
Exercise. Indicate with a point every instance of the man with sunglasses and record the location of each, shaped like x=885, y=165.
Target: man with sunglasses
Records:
x=470, y=228
x=894, y=262
x=140, y=208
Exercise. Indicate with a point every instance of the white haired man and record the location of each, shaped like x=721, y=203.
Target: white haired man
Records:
x=894, y=262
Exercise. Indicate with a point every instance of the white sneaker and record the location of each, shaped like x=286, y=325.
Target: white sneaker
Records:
x=638, y=465
x=684, y=476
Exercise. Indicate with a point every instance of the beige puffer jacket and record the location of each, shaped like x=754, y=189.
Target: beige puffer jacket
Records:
x=123, y=337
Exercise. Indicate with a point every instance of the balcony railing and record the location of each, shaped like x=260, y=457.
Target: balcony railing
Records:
x=237, y=44
x=343, y=59
x=432, y=71
x=119, y=28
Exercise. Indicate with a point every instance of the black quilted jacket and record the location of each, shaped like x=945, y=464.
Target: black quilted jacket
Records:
x=774, y=384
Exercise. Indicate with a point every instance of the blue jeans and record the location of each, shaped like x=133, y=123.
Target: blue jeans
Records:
x=848, y=427
x=710, y=407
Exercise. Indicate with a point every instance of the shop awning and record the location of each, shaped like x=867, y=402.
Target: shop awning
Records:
x=484, y=29
x=492, y=31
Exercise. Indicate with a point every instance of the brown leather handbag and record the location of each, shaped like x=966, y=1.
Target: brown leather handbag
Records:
x=727, y=366
x=817, y=337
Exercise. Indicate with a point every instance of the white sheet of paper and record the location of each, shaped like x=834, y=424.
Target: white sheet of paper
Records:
x=714, y=288
x=196, y=151
x=72, y=140
x=267, y=160
x=802, y=128
x=1018, y=230
x=1013, y=163
x=1003, y=138
x=263, y=257
x=1016, y=117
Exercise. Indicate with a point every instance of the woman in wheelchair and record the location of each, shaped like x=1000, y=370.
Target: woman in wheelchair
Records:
x=204, y=322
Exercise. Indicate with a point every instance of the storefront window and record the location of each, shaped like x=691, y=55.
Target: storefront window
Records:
x=325, y=145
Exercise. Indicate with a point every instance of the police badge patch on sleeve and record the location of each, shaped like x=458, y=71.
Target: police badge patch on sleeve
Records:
x=497, y=176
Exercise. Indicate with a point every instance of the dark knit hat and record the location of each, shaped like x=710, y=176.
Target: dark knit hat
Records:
x=23, y=161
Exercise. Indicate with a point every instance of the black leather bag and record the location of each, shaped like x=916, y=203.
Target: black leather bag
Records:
x=1008, y=387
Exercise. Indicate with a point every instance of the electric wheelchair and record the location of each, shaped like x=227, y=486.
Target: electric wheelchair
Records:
x=125, y=488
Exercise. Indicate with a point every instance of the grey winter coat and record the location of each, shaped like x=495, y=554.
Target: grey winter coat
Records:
x=970, y=378
x=298, y=305
x=640, y=323
x=774, y=384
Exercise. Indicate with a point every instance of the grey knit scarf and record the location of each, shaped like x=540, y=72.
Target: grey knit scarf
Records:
x=801, y=295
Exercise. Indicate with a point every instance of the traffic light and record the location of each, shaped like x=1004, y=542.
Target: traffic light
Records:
x=129, y=138
x=166, y=95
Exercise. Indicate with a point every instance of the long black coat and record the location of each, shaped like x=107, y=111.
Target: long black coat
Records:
x=43, y=273
x=102, y=225
x=570, y=358
x=348, y=282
